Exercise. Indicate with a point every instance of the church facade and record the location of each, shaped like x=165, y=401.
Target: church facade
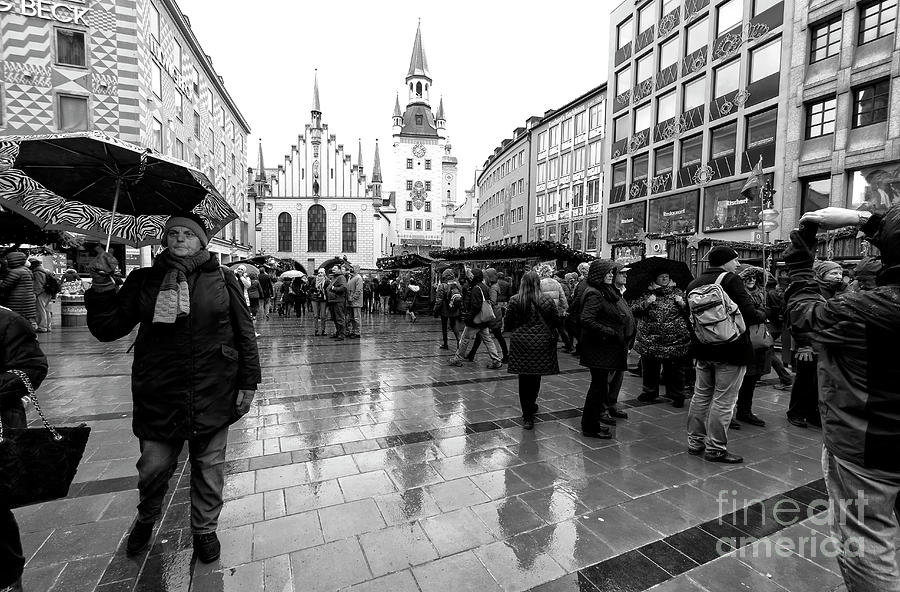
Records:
x=425, y=169
x=319, y=204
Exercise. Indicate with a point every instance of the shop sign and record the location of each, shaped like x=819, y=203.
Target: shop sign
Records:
x=51, y=11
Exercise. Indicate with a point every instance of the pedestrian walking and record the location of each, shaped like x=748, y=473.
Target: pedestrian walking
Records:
x=319, y=297
x=254, y=294
x=266, y=290
x=19, y=350
x=368, y=292
x=195, y=372
x=447, y=301
x=355, y=299
x=761, y=364
x=532, y=321
x=17, y=287
x=496, y=325
x=476, y=325
x=337, y=302
x=384, y=294
x=411, y=291
x=45, y=290
x=855, y=337
x=721, y=360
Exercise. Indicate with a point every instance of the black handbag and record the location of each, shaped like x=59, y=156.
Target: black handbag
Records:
x=38, y=464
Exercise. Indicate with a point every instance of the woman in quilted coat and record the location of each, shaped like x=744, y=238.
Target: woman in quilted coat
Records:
x=663, y=338
x=754, y=281
x=17, y=287
x=533, y=320
x=551, y=287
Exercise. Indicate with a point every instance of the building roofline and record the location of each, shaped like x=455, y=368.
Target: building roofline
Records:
x=188, y=33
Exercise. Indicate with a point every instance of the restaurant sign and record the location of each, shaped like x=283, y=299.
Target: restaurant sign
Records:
x=61, y=12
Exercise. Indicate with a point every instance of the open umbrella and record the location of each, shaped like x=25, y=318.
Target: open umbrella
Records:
x=642, y=273
x=248, y=266
x=332, y=262
x=292, y=273
x=94, y=184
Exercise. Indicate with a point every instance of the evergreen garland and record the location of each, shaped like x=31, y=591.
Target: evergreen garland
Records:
x=539, y=249
x=407, y=261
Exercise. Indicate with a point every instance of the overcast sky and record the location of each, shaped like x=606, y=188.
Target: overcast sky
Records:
x=495, y=62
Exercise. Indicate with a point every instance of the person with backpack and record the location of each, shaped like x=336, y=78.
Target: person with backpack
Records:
x=46, y=287
x=720, y=311
x=447, y=301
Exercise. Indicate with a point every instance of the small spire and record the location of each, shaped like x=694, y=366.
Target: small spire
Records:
x=261, y=168
x=418, y=65
x=376, y=166
x=359, y=159
x=397, y=112
x=316, y=108
x=440, y=111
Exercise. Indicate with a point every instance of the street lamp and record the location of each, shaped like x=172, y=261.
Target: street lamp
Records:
x=768, y=218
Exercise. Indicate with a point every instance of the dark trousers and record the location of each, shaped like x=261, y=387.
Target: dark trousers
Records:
x=804, y=402
x=564, y=335
x=452, y=323
x=673, y=373
x=12, y=560
x=338, y=315
x=298, y=307
x=596, y=401
x=745, y=395
x=615, y=385
x=498, y=335
x=529, y=387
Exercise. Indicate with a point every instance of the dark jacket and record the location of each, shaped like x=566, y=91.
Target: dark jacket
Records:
x=254, y=292
x=504, y=290
x=19, y=350
x=855, y=336
x=532, y=345
x=477, y=294
x=186, y=375
x=17, y=287
x=444, y=293
x=738, y=352
x=663, y=330
x=337, y=290
x=384, y=289
x=265, y=285
x=605, y=320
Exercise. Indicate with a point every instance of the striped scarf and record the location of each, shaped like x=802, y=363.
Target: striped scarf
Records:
x=174, y=298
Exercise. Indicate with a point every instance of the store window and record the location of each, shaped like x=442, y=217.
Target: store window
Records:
x=665, y=107
x=723, y=141
x=692, y=150
x=876, y=20
x=551, y=233
x=624, y=33
x=316, y=225
x=668, y=53
x=647, y=16
x=761, y=128
x=820, y=117
x=825, y=39
x=626, y=221
x=623, y=81
x=73, y=113
x=70, y=48
x=724, y=208
x=697, y=36
x=348, y=233
x=728, y=15
x=621, y=127
x=578, y=236
x=285, y=233
x=675, y=214
x=870, y=103
x=727, y=78
x=694, y=94
x=642, y=118
x=815, y=194
x=765, y=60
x=593, y=234
x=878, y=187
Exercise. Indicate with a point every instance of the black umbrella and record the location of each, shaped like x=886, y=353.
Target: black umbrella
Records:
x=642, y=273
x=332, y=262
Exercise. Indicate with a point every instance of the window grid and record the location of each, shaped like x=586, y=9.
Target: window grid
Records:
x=285, y=234
x=825, y=40
x=870, y=103
x=876, y=20
x=316, y=226
x=820, y=118
x=348, y=233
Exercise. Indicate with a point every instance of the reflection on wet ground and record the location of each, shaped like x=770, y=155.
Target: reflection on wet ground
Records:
x=371, y=465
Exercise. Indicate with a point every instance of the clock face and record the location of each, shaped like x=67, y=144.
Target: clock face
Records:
x=418, y=150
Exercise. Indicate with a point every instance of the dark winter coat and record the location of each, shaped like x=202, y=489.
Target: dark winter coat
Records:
x=504, y=290
x=337, y=290
x=444, y=293
x=19, y=350
x=265, y=285
x=532, y=345
x=254, y=292
x=762, y=357
x=738, y=352
x=662, y=331
x=185, y=377
x=477, y=294
x=17, y=287
x=855, y=336
x=605, y=320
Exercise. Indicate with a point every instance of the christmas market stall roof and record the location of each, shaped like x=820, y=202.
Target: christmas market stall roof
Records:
x=408, y=261
x=542, y=250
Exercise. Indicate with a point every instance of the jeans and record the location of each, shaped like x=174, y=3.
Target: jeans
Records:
x=385, y=304
x=673, y=371
x=865, y=531
x=712, y=406
x=338, y=313
x=44, y=316
x=468, y=335
x=784, y=375
x=498, y=335
x=596, y=400
x=12, y=559
x=529, y=387
x=355, y=317
x=804, y=403
x=452, y=322
x=157, y=463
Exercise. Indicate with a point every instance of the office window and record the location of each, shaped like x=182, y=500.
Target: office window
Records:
x=542, y=172
x=825, y=39
x=565, y=164
x=210, y=102
x=553, y=171
x=760, y=6
x=644, y=69
x=177, y=55
x=554, y=136
x=409, y=162
x=579, y=159
x=621, y=128
x=694, y=94
x=551, y=202
x=179, y=105
x=156, y=79
x=73, y=113
x=285, y=233
x=663, y=160
x=195, y=81
x=765, y=60
x=597, y=113
x=196, y=125
x=723, y=141
x=153, y=21
x=408, y=205
x=542, y=141
x=761, y=128
x=665, y=107
x=668, y=53
x=624, y=33
x=619, y=177
x=697, y=36
x=642, y=118
x=197, y=163
x=179, y=149
x=70, y=48
x=727, y=79
x=408, y=185
x=233, y=164
x=418, y=225
x=623, y=81
x=593, y=191
x=815, y=194
x=222, y=117
x=565, y=131
x=427, y=185
x=577, y=197
x=820, y=117
x=647, y=16
x=640, y=168
x=876, y=20
x=728, y=14
x=317, y=228
x=156, y=135
x=579, y=125
x=348, y=233
x=595, y=153
x=427, y=164
x=870, y=103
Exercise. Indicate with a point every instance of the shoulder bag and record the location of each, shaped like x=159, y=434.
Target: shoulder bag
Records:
x=486, y=314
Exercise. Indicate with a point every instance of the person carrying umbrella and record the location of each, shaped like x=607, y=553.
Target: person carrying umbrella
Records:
x=196, y=369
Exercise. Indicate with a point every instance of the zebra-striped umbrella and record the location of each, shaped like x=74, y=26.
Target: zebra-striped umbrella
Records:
x=93, y=184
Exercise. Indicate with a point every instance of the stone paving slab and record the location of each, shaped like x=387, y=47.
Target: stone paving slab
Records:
x=371, y=465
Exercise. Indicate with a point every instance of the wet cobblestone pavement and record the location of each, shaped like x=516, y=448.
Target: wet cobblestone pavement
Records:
x=370, y=465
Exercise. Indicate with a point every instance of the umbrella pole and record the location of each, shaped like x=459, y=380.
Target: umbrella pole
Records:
x=113, y=218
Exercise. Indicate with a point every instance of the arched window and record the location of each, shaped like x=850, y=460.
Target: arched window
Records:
x=462, y=242
x=419, y=89
x=316, y=226
x=448, y=195
x=348, y=233
x=285, y=232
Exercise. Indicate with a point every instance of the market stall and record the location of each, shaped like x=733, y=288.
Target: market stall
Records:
x=411, y=265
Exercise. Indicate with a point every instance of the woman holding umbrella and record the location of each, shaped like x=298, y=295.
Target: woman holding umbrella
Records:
x=195, y=372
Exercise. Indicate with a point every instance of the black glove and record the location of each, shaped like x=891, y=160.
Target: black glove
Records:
x=801, y=253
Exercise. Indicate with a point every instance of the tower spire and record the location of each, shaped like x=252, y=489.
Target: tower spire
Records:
x=359, y=158
x=418, y=65
x=315, y=107
x=376, y=166
x=440, y=111
x=261, y=169
x=397, y=112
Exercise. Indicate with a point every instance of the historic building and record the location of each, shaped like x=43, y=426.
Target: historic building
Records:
x=545, y=182
x=132, y=69
x=843, y=135
x=698, y=97
x=459, y=223
x=318, y=204
x=425, y=170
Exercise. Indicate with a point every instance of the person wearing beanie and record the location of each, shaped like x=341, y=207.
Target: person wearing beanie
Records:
x=337, y=301
x=864, y=275
x=195, y=372
x=447, y=305
x=720, y=367
x=17, y=288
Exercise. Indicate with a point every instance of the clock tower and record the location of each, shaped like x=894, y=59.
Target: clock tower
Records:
x=424, y=166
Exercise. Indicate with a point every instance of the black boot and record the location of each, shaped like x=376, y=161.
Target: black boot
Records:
x=207, y=547
x=139, y=537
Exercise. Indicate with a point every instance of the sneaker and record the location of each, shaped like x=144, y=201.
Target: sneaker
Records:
x=723, y=457
x=607, y=419
x=752, y=419
x=528, y=424
x=456, y=362
x=139, y=537
x=207, y=547
x=696, y=451
x=618, y=414
x=494, y=365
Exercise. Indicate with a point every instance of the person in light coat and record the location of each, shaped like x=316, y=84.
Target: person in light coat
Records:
x=355, y=302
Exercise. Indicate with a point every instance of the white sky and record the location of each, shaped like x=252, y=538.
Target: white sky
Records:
x=495, y=62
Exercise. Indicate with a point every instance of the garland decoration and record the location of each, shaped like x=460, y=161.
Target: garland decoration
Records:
x=407, y=261
x=540, y=249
